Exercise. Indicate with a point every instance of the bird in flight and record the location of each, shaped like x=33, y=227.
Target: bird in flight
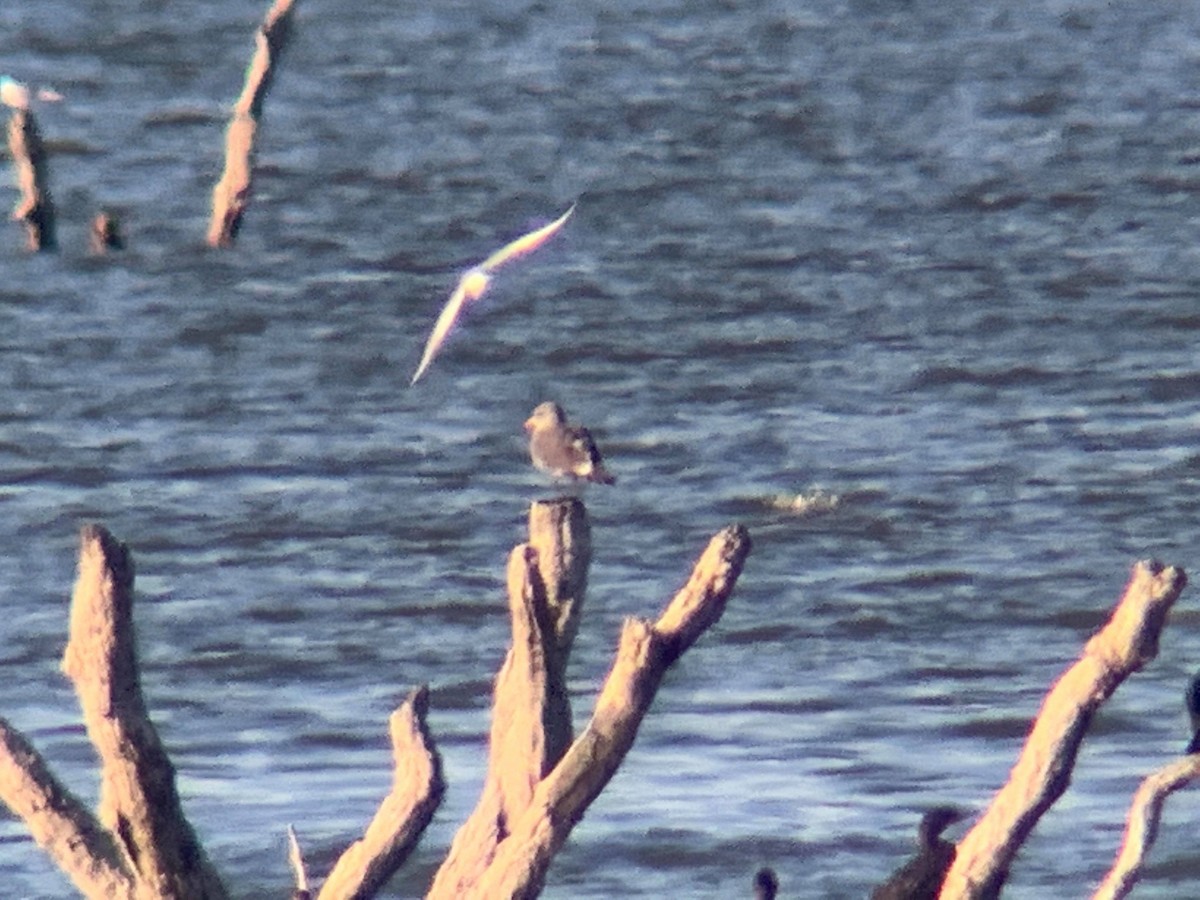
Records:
x=475, y=282
x=562, y=450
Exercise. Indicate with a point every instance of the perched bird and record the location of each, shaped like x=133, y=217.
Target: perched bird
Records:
x=16, y=95
x=1191, y=699
x=565, y=451
x=921, y=877
x=13, y=93
x=475, y=282
x=765, y=884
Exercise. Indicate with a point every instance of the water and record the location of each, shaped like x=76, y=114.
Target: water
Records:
x=936, y=260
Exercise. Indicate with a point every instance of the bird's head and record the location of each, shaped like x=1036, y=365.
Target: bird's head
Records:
x=545, y=415
x=937, y=820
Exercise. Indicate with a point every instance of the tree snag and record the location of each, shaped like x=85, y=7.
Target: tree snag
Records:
x=506, y=846
x=231, y=195
x=35, y=208
x=1043, y=771
x=1142, y=825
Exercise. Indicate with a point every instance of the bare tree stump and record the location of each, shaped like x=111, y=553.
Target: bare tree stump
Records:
x=35, y=208
x=1141, y=829
x=512, y=858
x=1043, y=771
x=531, y=713
x=231, y=195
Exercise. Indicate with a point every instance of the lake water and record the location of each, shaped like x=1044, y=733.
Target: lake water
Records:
x=937, y=260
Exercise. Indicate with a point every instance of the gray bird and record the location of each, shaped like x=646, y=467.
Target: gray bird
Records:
x=562, y=450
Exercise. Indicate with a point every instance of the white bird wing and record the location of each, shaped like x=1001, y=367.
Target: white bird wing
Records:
x=441, y=328
x=526, y=243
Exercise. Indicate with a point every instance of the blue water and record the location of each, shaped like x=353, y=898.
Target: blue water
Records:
x=938, y=261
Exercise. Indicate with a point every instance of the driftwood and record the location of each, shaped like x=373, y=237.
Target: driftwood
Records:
x=1142, y=826
x=1043, y=771
x=140, y=845
x=231, y=195
x=35, y=208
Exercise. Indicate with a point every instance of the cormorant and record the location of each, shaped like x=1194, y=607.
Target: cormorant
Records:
x=921, y=877
x=765, y=884
x=1191, y=699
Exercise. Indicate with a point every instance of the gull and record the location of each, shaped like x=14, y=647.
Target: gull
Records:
x=564, y=451
x=16, y=95
x=475, y=282
x=13, y=93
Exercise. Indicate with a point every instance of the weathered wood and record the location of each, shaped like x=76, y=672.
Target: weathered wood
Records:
x=1043, y=771
x=105, y=233
x=139, y=804
x=1141, y=827
x=231, y=196
x=646, y=651
x=60, y=823
x=531, y=712
x=417, y=789
x=34, y=208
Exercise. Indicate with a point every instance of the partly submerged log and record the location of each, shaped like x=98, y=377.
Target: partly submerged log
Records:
x=34, y=208
x=231, y=195
x=1043, y=771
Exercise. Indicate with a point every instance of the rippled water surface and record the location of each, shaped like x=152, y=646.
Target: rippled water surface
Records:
x=938, y=261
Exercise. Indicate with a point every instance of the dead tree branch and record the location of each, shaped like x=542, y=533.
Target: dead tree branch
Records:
x=35, y=208
x=533, y=834
x=139, y=805
x=1141, y=829
x=417, y=789
x=1043, y=771
x=61, y=825
x=231, y=195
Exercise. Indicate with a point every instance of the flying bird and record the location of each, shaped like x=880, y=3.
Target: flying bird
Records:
x=475, y=282
x=562, y=450
x=921, y=877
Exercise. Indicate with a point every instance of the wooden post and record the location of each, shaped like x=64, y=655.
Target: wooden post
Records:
x=35, y=208
x=231, y=195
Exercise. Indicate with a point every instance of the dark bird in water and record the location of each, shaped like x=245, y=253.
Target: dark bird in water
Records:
x=564, y=451
x=921, y=877
x=1191, y=699
x=765, y=884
